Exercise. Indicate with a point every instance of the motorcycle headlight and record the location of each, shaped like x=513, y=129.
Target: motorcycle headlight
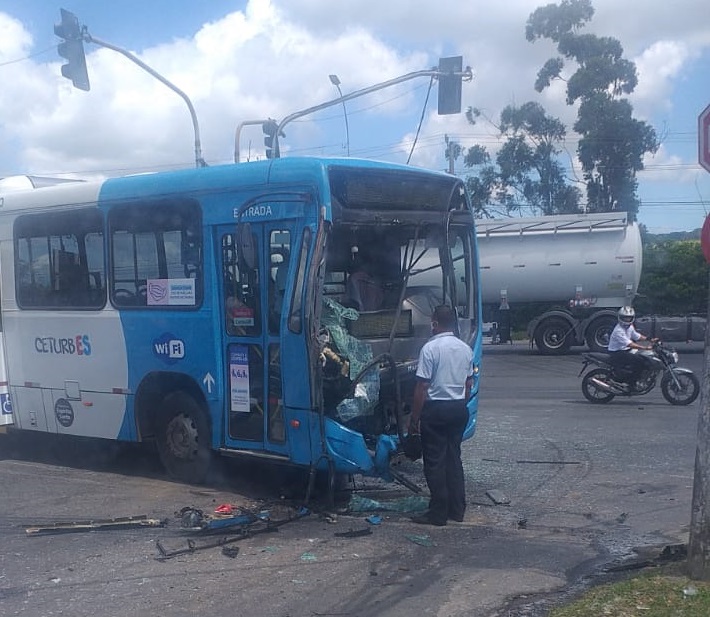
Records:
x=674, y=356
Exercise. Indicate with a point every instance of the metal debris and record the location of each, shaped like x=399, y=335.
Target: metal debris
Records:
x=257, y=526
x=126, y=522
x=354, y=533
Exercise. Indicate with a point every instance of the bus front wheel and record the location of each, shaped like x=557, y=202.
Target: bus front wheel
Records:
x=183, y=438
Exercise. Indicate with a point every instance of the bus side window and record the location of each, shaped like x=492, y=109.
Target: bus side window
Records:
x=156, y=251
x=59, y=260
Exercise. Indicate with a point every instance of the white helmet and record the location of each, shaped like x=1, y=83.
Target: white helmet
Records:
x=626, y=315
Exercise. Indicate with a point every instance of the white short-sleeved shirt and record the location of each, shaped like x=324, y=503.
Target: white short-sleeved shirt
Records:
x=621, y=338
x=446, y=362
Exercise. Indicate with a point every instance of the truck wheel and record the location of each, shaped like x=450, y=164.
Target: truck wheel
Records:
x=598, y=333
x=183, y=438
x=553, y=336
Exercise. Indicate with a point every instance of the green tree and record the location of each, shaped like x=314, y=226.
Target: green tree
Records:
x=529, y=164
x=528, y=176
x=612, y=142
x=674, y=280
x=483, y=184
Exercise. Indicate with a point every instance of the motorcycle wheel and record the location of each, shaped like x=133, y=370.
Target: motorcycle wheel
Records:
x=686, y=394
x=591, y=392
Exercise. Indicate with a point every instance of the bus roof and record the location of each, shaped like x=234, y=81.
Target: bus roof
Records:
x=289, y=171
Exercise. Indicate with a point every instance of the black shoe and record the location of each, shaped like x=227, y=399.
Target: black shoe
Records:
x=424, y=519
x=458, y=519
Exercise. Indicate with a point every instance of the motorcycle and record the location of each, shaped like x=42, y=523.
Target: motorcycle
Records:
x=678, y=385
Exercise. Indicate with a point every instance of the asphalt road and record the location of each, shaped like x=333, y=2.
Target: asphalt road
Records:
x=585, y=484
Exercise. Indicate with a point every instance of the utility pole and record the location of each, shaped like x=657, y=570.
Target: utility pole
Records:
x=699, y=542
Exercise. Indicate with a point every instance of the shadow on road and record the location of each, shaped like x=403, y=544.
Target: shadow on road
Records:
x=256, y=479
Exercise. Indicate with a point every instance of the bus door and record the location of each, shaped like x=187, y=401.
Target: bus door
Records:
x=252, y=296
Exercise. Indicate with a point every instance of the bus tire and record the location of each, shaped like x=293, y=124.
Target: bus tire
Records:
x=183, y=438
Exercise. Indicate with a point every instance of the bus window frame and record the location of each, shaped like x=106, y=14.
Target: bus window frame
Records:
x=59, y=225
x=189, y=213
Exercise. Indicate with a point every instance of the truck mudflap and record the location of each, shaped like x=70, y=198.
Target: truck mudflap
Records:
x=5, y=404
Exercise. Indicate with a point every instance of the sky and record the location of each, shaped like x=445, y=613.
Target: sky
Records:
x=239, y=61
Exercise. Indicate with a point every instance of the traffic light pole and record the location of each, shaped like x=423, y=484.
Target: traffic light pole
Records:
x=199, y=161
x=465, y=75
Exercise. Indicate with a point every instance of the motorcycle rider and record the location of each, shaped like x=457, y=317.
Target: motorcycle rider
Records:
x=623, y=346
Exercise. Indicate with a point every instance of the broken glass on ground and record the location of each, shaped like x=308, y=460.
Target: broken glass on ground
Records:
x=414, y=503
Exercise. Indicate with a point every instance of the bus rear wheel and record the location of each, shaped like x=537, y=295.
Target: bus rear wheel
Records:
x=183, y=438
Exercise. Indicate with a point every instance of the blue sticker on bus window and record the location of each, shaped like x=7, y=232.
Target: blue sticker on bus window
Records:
x=169, y=348
x=64, y=412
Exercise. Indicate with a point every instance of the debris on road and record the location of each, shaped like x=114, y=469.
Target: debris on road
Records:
x=498, y=497
x=193, y=547
x=194, y=519
x=650, y=557
x=548, y=462
x=354, y=533
x=127, y=522
x=424, y=540
x=230, y=551
x=257, y=525
x=410, y=504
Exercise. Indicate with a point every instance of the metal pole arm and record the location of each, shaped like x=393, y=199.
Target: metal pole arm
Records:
x=238, y=133
x=466, y=75
x=199, y=161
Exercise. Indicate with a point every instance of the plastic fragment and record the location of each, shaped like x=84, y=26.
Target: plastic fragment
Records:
x=420, y=540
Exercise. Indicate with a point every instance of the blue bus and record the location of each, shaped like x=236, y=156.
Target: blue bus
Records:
x=218, y=309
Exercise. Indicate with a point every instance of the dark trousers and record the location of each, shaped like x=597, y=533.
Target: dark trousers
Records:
x=442, y=426
x=627, y=365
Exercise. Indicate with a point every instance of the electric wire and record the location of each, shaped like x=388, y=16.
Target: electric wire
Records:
x=421, y=119
x=34, y=55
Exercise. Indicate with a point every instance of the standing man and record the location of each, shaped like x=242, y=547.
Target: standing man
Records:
x=444, y=378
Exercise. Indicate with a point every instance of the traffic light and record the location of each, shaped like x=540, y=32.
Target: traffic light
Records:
x=450, y=85
x=72, y=48
x=270, y=128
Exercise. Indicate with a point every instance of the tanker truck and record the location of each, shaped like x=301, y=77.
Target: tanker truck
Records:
x=586, y=265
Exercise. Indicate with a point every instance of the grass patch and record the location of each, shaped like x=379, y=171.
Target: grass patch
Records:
x=651, y=595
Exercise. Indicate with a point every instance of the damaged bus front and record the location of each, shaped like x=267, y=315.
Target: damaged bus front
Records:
x=392, y=244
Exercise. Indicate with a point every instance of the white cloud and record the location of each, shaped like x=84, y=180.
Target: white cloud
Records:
x=275, y=57
x=658, y=67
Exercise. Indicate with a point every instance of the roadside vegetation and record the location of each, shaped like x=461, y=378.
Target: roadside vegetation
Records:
x=649, y=595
